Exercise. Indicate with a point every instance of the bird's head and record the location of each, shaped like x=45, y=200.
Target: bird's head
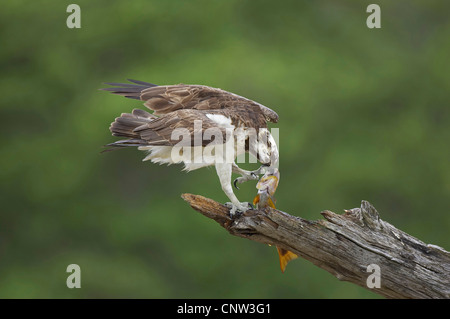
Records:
x=267, y=149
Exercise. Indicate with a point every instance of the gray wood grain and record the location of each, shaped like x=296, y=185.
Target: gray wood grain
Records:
x=345, y=245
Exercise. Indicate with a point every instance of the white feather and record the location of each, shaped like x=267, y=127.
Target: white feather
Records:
x=158, y=154
x=193, y=158
x=221, y=120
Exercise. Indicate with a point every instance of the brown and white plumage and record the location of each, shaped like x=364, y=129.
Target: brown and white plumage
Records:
x=178, y=107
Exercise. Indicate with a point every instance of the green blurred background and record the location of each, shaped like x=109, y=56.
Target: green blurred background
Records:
x=364, y=114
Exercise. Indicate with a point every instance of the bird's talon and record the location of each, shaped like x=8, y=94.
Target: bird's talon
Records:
x=245, y=178
x=237, y=210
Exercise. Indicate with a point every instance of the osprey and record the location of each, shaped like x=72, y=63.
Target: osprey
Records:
x=192, y=125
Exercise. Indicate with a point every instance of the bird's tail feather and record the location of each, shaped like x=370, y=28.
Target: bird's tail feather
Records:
x=125, y=125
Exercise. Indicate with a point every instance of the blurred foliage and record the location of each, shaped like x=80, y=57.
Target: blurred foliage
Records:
x=364, y=114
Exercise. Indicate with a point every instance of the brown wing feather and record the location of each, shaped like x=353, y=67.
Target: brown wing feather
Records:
x=165, y=99
x=132, y=91
x=162, y=128
x=179, y=106
x=169, y=98
x=141, y=128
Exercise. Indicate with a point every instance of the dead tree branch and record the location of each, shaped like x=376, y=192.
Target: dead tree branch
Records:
x=345, y=245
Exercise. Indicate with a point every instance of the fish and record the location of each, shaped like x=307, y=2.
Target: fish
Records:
x=266, y=187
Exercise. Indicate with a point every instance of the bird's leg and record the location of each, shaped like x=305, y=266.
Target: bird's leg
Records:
x=238, y=170
x=261, y=170
x=224, y=172
x=245, y=175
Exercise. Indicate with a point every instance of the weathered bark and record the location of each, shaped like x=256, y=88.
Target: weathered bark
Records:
x=345, y=245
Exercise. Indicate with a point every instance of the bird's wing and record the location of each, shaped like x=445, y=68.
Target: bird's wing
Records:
x=168, y=98
x=181, y=128
x=129, y=90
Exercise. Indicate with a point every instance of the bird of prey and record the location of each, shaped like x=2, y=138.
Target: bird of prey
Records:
x=193, y=111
